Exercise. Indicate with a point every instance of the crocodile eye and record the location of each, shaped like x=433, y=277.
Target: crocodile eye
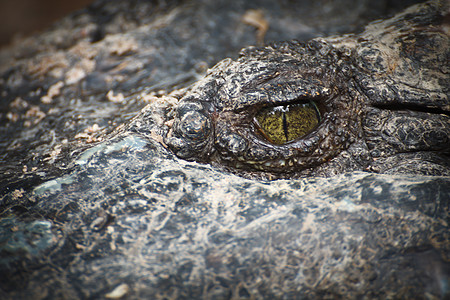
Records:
x=282, y=124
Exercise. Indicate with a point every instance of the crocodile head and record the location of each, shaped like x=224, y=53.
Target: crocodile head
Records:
x=376, y=101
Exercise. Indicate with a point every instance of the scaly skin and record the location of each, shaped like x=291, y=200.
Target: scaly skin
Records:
x=383, y=95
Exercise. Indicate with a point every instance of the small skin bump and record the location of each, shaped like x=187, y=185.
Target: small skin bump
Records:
x=194, y=125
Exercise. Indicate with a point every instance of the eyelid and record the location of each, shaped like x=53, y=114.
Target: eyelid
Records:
x=279, y=94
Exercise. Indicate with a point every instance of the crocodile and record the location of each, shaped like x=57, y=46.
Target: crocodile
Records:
x=374, y=101
x=179, y=201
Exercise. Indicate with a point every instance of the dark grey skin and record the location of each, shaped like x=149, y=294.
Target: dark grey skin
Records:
x=383, y=95
x=154, y=209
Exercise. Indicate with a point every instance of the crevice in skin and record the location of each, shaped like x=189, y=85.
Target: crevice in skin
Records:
x=412, y=107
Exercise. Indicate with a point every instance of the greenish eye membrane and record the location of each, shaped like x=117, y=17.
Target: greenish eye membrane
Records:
x=283, y=124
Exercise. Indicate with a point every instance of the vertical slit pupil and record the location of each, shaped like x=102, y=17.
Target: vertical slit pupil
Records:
x=285, y=126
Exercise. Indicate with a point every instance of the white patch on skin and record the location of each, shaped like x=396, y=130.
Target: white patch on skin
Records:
x=118, y=98
x=118, y=292
x=53, y=91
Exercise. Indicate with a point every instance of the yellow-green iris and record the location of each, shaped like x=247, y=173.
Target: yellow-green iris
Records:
x=282, y=124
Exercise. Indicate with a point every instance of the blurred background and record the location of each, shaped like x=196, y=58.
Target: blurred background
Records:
x=24, y=17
